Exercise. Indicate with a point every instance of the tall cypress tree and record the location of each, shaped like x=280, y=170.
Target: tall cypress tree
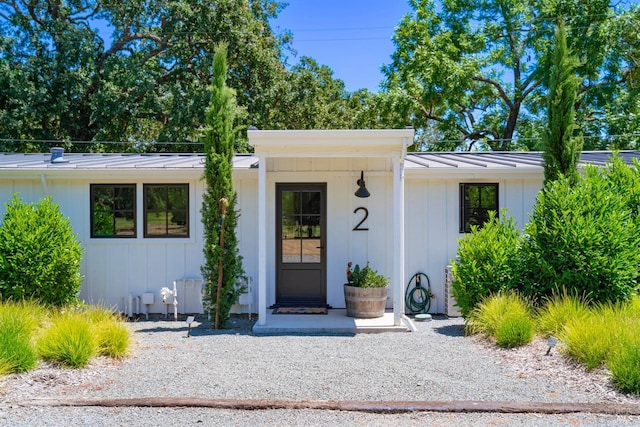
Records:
x=223, y=263
x=561, y=148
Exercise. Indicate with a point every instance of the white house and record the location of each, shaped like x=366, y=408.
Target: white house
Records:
x=138, y=215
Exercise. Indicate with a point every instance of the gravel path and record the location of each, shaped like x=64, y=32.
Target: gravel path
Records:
x=436, y=363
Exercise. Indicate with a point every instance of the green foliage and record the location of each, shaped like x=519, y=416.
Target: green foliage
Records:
x=624, y=365
x=514, y=331
x=39, y=254
x=146, y=78
x=113, y=338
x=69, y=335
x=561, y=148
x=18, y=323
x=219, y=141
x=505, y=315
x=583, y=238
x=472, y=75
x=310, y=98
x=592, y=338
x=559, y=310
x=366, y=277
x=488, y=262
x=608, y=334
x=69, y=340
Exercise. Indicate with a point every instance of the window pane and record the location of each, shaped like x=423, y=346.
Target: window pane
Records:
x=156, y=198
x=166, y=210
x=476, y=203
x=488, y=198
x=125, y=224
x=310, y=202
x=113, y=210
x=311, y=238
x=177, y=198
x=290, y=202
x=178, y=223
x=124, y=198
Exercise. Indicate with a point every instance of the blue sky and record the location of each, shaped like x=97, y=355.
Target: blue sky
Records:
x=352, y=37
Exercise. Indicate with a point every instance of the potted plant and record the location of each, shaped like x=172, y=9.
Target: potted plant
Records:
x=365, y=292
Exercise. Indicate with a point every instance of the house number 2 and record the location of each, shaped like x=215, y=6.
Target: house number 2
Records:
x=365, y=215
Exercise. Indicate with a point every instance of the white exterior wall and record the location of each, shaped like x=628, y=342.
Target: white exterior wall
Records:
x=432, y=215
x=113, y=268
x=343, y=243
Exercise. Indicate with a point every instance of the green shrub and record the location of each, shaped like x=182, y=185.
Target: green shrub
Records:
x=558, y=311
x=39, y=254
x=514, y=331
x=582, y=238
x=488, y=262
x=69, y=340
x=492, y=312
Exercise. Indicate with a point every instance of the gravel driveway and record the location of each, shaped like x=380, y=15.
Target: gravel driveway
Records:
x=436, y=363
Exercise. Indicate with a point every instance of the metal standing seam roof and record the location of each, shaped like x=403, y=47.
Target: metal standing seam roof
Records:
x=84, y=161
x=414, y=161
x=502, y=160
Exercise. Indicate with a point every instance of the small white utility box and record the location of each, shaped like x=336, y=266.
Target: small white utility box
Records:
x=147, y=298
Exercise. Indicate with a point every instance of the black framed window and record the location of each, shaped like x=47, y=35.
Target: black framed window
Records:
x=113, y=210
x=166, y=210
x=476, y=201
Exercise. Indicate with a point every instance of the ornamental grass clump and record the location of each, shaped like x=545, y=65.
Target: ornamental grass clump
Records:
x=514, y=331
x=113, y=339
x=590, y=339
x=18, y=323
x=112, y=336
x=558, y=311
x=365, y=277
x=624, y=362
x=505, y=317
x=69, y=340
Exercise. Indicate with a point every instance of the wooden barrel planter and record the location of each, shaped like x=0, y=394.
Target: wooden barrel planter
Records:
x=365, y=303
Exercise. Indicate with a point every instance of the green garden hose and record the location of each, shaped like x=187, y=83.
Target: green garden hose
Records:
x=418, y=299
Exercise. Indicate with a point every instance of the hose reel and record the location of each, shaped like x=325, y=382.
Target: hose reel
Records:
x=418, y=299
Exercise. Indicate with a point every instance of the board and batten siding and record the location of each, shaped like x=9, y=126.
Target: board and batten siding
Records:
x=113, y=268
x=432, y=212
x=343, y=243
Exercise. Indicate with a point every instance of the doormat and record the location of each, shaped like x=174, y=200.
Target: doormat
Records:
x=300, y=310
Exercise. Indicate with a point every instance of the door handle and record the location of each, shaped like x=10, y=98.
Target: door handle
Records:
x=319, y=247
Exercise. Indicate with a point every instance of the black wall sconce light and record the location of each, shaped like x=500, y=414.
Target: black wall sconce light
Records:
x=362, y=190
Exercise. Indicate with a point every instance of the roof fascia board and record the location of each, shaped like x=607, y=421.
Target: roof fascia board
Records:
x=449, y=173
x=331, y=143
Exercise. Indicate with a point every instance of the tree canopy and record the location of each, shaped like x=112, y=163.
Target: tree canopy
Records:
x=471, y=74
x=138, y=72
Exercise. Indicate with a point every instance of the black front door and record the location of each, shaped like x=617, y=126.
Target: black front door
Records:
x=300, y=244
